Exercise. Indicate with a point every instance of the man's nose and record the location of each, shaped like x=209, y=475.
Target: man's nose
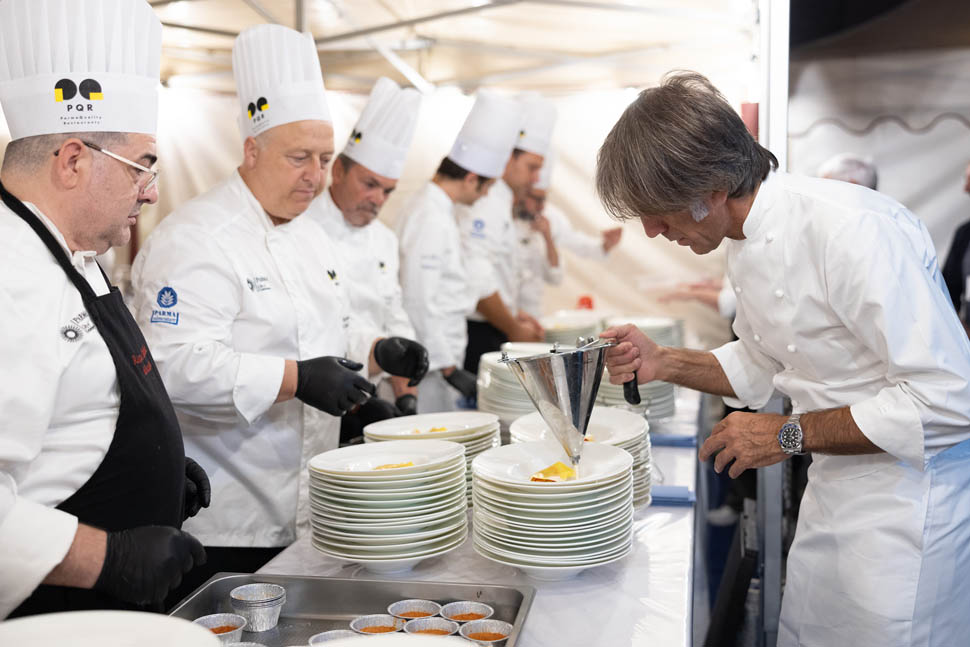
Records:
x=652, y=228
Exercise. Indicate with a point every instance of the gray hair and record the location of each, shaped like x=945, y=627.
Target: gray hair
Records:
x=850, y=168
x=674, y=146
x=28, y=154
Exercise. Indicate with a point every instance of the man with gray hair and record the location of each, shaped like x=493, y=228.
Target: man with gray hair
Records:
x=850, y=168
x=840, y=308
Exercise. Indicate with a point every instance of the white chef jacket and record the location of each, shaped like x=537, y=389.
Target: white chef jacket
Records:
x=224, y=298
x=488, y=240
x=568, y=237
x=437, y=294
x=535, y=270
x=369, y=256
x=840, y=303
x=60, y=402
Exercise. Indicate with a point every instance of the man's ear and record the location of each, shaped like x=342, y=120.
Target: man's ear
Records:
x=251, y=152
x=71, y=161
x=718, y=198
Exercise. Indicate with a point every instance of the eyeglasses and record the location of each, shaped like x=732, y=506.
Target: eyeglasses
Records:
x=144, y=171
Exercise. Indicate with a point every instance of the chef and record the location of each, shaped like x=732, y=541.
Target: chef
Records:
x=840, y=307
x=92, y=470
x=242, y=300
x=363, y=177
x=543, y=230
x=438, y=292
x=488, y=236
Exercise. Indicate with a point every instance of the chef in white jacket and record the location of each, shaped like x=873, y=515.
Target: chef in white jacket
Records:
x=840, y=306
x=94, y=482
x=489, y=239
x=438, y=290
x=243, y=301
x=363, y=176
x=543, y=230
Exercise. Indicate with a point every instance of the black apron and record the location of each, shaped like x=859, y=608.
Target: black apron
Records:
x=141, y=479
x=483, y=338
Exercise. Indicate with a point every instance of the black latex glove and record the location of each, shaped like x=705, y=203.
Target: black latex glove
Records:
x=375, y=410
x=407, y=405
x=464, y=381
x=141, y=565
x=197, y=489
x=331, y=384
x=402, y=357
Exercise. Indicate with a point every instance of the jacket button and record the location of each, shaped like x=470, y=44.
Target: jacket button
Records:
x=757, y=337
x=769, y=237
x=791, y=348
x=779, y=293
x=737, y=289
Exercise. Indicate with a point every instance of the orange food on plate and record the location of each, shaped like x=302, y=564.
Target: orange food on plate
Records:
x=465, y=617
x=378, y=629
x=415, y=614
x=487, y=636
x=555, y=473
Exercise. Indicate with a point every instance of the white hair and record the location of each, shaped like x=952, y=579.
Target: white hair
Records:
x=699, y=211
x=850, y=168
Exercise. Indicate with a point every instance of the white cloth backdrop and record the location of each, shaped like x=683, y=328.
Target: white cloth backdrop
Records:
x=199, y=145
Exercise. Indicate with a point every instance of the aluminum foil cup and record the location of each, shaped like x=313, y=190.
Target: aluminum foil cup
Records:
x=453, y=609
x=335, y=634
x=425, y=607
x=361, y=624
x=486, y=627
x=224, y=620
x=260, y=604
x=431, y=626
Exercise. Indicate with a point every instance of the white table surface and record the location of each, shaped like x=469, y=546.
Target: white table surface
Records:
x=643, y=599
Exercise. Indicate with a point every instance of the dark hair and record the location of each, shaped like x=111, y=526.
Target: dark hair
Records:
x=516, y=152
x=346, y=161
x=674, y=145
x=450, y=169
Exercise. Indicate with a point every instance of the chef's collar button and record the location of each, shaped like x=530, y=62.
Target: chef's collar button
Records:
x=779, y=293
x=794, y=404
x=769, y=237
x=737, y=289
x=791, y=348
x=757, y=337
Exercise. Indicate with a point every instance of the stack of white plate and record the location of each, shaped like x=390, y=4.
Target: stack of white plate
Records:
x=566, y=325
x=552, y=531
x=476, y=431
x=656, y=396
x=499, y=391
x=616, y=427
x=389, y=518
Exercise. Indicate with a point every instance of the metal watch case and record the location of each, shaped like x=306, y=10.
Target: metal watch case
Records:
x=790, y=437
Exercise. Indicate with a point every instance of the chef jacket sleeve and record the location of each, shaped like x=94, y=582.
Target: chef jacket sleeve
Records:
x=192, y=341
x=34, y=538
x=886, y=293
x=422, y=262
x=750, y=371
x=578, y=242
x=480, y=234
x=398, y=322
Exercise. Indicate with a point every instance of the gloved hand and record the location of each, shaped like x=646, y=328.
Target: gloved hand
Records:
x=407, y=405
x=403, y=357
x=197, y=489
x=141, y=565
x=331, y=384
x=464, y=381
x=375, y=410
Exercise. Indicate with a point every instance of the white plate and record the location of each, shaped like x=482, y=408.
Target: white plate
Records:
x=568, y=488
x=447, y=525
x=386, y=526
x=387, y=559
x=98, y=628
x=559, y=555
x=379, y=550
x=455, y=466
x=482, y=521
x=498, y=518
x=604, y=536
x=607, y=425
x=388, y=508
x=464, y=438
x=371, y=494
x=549, y=573
x=455, y=423
x=363, y=460
x=620, y=547
x=517, y=463
x=556, y=517
x=552, y=499
x=556, y=507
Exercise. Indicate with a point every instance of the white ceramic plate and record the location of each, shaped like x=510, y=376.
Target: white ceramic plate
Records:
x=607, y=425
x=388, y=508
x=393, y=527
x=569, y=488
x=525, y=522
x=557, y=517
x=548, y=573
x=449, y=524
x=99, y=628
x=556, y=507
x=379, y=550
x=454, y=423
x=424, y=553
x=482, y=521
x=516, y=528
x=551, y=499
x=446, y=471
x=363, y=460
x=419, y=491
x=517, y=463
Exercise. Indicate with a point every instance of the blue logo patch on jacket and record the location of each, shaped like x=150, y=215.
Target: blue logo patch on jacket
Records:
x=478, y=228
x=167, y=298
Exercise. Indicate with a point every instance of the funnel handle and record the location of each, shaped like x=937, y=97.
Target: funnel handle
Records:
x=630, y=391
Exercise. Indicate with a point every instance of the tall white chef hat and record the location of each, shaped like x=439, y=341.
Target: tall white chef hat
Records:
x=278, y=79
x=488, y=136
x=383, y=134
x=545, y=175
x=79, y=66
x=538, y=120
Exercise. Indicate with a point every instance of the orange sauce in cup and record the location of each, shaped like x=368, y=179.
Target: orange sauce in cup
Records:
x=436, y=632
x=378, y=629
x=465, y=617
x=487, y=636
x=415, y=614
x=224, y=629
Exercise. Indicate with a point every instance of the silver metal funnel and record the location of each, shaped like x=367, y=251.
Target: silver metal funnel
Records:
x=563, y=386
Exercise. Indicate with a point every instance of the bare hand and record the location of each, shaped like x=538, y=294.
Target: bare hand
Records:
x=705, y=292
x=611, y=238
x=748, y=439
x=540, y=224
x=634, y=353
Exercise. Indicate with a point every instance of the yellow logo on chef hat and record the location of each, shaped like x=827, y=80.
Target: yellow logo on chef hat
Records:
x=66, y=89
x=261, y=105
x=356, y=136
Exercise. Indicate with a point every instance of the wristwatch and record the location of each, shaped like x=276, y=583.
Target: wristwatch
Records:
x=790, y=436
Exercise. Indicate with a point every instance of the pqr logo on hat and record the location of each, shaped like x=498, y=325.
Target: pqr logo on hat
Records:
x=66, y=89
x=261, y=105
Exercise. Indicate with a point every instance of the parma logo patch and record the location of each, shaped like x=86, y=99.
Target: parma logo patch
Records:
x=167, y=299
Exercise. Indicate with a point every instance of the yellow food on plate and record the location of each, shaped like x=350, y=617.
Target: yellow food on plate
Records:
x=589, y=439
x=554, y=474
x=430, y=431
x=391, y=466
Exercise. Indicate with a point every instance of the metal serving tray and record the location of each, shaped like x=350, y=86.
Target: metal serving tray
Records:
x=315, y=604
